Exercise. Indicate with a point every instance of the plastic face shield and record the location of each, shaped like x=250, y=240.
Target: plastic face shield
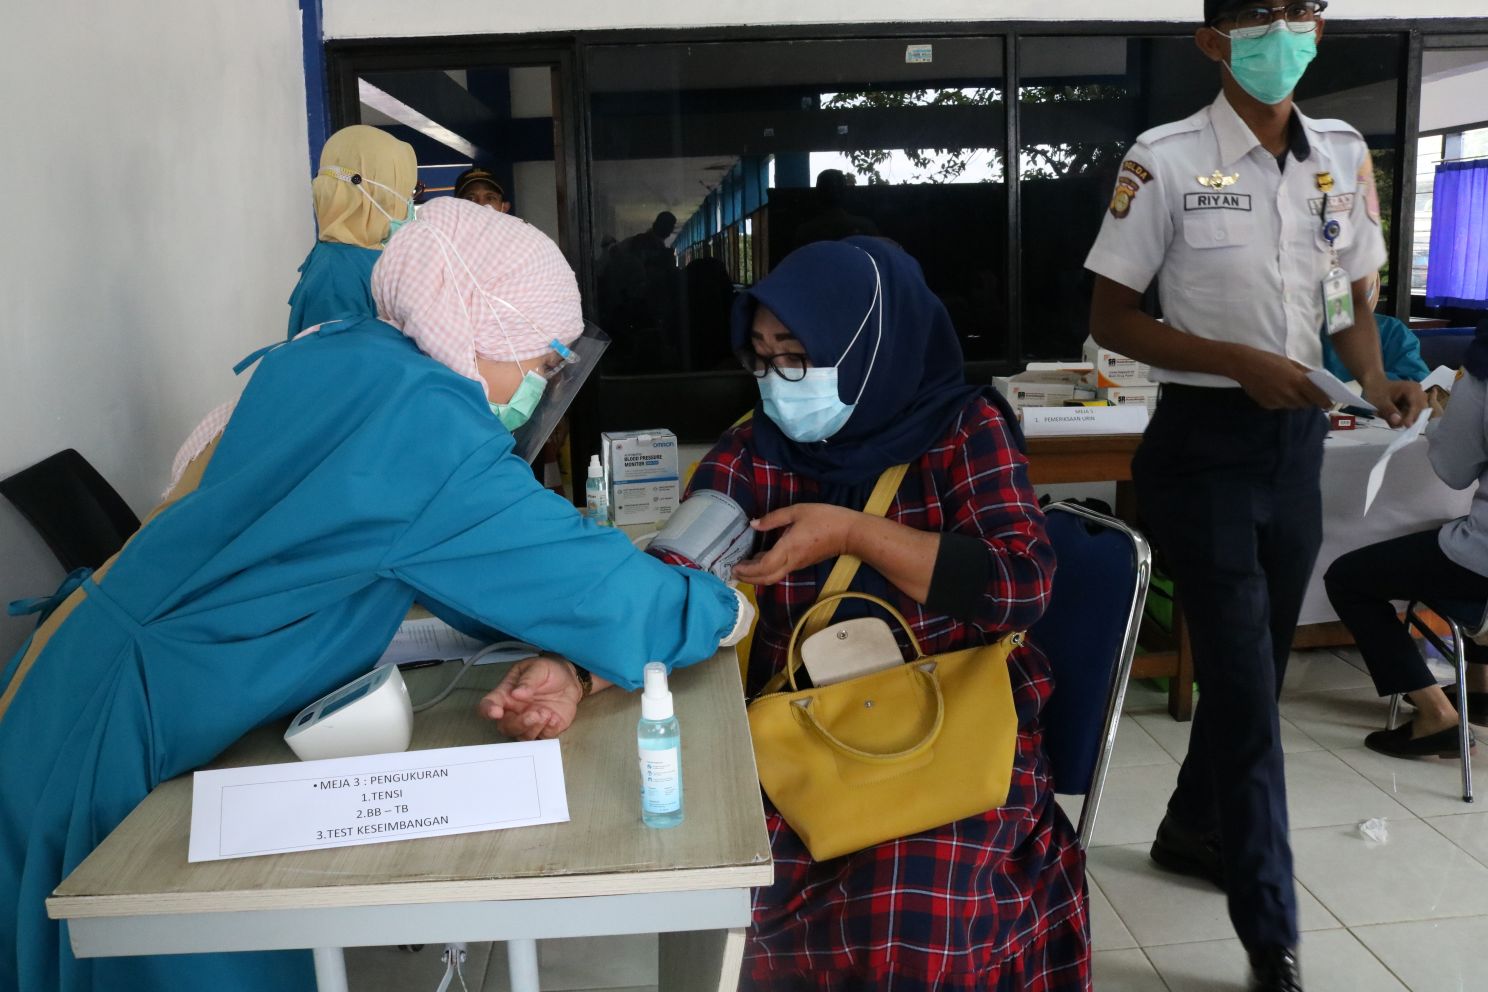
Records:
x=563, y=386
x=710, y=531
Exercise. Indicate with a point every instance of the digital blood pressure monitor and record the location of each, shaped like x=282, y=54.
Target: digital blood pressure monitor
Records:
x=372, y=715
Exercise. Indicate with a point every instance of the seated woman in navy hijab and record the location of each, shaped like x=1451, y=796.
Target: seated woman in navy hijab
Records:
x=859, y=369
x=365, y=464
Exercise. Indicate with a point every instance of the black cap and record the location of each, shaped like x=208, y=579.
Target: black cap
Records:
x=476, y=175
x=1213, y=8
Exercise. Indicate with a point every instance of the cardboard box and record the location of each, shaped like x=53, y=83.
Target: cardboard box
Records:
x=1111, y=369
x=1123, y=395
x=1044, y=388
x=640, y=472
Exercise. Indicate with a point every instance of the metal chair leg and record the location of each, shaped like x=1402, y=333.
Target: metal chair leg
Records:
x=1394, y=712
x=1459, y=651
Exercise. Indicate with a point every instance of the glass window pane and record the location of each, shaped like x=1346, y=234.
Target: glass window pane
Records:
x=712, y=161
x=502, y=118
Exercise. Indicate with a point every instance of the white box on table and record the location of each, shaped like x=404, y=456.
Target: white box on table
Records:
x=640, y=472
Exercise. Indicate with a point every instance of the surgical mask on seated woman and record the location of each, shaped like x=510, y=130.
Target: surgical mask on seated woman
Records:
x=805, y=402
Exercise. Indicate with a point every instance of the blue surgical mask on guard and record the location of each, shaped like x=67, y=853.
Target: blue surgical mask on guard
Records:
x=1268, y=66
x=811, y=409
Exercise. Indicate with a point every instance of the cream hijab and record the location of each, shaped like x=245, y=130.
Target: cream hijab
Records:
x=344, y=214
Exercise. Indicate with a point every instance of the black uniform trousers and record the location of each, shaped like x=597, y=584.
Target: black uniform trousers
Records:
x=1361, y=585
x=1230, y=494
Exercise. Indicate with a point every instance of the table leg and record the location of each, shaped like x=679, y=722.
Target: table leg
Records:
x=1181, y=684
x=521, y=965
x=700, y=960
x=330, y=969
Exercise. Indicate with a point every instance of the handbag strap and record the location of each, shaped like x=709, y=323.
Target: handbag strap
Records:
x=843, y=572
x=846, y=567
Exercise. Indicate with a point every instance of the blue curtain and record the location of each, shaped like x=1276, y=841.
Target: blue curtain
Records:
x=1457, y=268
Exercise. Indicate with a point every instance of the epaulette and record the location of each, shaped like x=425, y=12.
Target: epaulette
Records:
x=1334, y=126
x=1188, y=125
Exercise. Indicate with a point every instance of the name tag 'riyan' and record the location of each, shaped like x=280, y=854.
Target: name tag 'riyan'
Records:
x=1216, y=201
x=337, y=802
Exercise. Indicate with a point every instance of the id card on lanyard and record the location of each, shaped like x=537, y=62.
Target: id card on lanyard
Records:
x=1338, y=293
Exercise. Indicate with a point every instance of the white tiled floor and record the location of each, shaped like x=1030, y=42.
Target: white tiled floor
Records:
x=1409, y=914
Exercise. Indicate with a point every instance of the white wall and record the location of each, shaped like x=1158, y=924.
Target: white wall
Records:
x=1454, y=89
x=156, y=206
x=395, y=18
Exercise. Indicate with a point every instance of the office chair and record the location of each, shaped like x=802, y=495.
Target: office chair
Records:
x=1089, y=633
x=74, y=509
x=1465, y=619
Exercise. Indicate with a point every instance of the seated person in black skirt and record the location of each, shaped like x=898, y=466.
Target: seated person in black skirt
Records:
x=1449, y=562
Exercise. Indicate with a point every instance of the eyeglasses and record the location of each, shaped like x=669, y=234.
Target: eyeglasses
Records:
x=788, y=365
x=1252, y=22
x=418, y=192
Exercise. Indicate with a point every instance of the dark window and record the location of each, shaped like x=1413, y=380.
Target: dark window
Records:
x=712, y=161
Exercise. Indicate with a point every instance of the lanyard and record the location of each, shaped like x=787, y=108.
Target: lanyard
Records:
x=1330, y=230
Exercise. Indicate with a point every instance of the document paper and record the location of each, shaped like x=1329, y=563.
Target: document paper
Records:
x=342, y=802
x=1377, y=473
x=1337, y=391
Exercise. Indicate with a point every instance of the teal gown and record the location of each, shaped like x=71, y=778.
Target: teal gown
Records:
x=355, y=474
x=335, y=281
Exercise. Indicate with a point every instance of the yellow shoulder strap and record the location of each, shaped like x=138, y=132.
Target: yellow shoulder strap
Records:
x=846, y=567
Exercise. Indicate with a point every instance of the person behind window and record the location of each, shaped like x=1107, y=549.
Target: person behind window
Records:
x=365, y=464
x=1447, y=562
x=831, y=220
x=363, y=192
x=860, y=369
x=479, y=186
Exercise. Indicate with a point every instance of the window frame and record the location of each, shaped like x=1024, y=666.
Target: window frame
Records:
x=568, y=50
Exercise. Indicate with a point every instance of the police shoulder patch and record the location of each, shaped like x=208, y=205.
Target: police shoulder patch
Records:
x=1137, y=169
x=1121, y=199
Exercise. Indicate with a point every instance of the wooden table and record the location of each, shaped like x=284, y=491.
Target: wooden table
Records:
x=603, y=872
x=1107, y=458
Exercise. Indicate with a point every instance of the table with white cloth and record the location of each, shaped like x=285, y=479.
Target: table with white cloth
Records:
x=1411, y=499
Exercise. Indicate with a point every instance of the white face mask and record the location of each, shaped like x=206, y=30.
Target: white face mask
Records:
x=811, y=409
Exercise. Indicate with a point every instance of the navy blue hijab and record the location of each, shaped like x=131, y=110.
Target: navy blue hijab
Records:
x=917, y=386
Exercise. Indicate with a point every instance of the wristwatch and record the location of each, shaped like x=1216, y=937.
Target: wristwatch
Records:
x=586, y=681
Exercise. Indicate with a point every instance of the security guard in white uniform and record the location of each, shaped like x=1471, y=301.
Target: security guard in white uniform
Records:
x=1262, y=228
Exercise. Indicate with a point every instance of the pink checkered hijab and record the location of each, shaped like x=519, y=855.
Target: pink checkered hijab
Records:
x=463, y=280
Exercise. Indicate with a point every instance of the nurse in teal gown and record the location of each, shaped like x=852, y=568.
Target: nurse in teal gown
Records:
x=356, y=473
x=364, y=187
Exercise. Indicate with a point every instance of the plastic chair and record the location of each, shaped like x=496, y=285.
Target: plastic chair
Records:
x=1465, y=619
x=1089, y=633
x=74, y=509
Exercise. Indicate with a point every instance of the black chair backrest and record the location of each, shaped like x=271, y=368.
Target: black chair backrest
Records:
x=74, y=509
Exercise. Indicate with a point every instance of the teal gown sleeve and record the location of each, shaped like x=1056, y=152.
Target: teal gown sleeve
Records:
x=497, y=547
x=1400, y=352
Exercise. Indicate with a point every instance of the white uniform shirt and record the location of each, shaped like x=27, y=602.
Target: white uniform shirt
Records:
x=1237, y=243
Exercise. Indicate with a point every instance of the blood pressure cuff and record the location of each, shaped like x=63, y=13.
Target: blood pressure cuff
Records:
x=709, y=532
x=962, y=573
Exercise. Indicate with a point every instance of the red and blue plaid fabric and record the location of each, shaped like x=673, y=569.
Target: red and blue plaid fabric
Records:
x=995, y=901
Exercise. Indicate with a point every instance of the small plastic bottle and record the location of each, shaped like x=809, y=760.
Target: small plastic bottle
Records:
x=596, y=500
x=660, y=741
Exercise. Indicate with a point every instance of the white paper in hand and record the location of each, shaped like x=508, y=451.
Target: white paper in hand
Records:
x=1337, y=391
x=1442, y=377
x=1377, y=474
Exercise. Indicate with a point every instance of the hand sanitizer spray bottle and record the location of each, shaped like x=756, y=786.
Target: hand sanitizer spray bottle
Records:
x=596, y=500
x=660, y=741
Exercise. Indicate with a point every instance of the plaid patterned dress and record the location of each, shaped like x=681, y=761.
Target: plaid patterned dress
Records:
x=992, y=902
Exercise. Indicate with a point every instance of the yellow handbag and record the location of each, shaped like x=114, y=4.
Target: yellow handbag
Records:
x=891, y=753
